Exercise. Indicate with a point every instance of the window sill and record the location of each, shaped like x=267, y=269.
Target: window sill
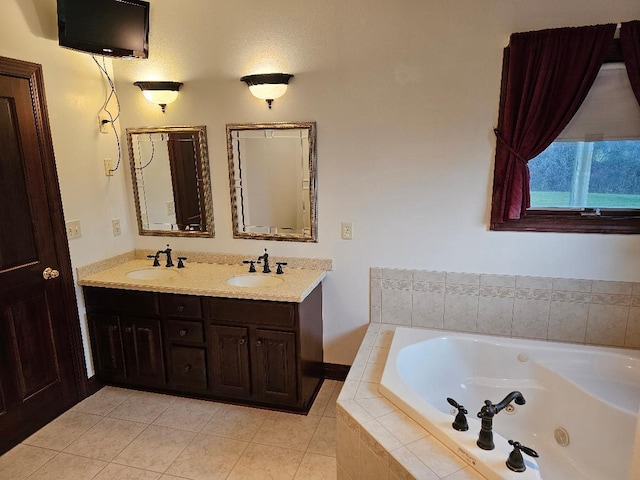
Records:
x=619, y=222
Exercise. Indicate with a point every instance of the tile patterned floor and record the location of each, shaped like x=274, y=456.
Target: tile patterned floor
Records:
x=120, y=434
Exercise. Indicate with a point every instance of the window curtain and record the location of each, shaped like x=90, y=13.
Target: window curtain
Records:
x=630, y=43
x=549, y=74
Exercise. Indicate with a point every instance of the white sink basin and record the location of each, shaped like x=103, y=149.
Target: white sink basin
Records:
x=254, y=281
x=157, y=273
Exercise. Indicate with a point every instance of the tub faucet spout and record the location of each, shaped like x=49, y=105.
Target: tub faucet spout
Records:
x=486, y=414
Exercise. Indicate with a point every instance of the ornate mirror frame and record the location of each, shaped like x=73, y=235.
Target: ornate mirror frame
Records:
x=235, y=183
x=204, y=182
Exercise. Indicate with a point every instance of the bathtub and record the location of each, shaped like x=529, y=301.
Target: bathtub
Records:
x=581, y=402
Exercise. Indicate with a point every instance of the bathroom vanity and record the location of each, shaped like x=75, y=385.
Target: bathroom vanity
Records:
x=259, y=346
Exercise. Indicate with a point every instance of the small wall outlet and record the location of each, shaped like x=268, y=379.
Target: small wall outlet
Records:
x=171, y=207
x=104, y=122
x=108, y=167
x=115, y=223
x=347, y=231
x=73, y=229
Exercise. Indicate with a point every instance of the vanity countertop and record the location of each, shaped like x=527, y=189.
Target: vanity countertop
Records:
x=208, y=280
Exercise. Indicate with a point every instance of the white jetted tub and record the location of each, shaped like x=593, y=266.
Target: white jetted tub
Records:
x=581, y=402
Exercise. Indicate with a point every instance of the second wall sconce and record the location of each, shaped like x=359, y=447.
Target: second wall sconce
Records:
x=161, y=93
x=267, y=86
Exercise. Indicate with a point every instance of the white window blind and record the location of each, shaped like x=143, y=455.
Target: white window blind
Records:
x=610, y=111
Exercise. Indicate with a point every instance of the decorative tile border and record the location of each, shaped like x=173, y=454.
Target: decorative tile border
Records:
x=559, y=309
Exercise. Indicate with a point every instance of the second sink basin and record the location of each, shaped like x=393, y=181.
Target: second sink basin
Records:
x=254, y=281
x=152, y=274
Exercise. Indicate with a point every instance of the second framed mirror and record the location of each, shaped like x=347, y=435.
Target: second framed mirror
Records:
x=272, y=178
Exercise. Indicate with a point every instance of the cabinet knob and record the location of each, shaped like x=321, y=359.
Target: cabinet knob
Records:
x=128, y=329
x=180, y=308
x=187, y=368
x=242, y=341
x=258, y=343
x=183, y=332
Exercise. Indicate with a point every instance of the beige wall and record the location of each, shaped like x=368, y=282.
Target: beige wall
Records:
x=405, y=97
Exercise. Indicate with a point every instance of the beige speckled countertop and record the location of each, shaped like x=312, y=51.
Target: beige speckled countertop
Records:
x=208, y=280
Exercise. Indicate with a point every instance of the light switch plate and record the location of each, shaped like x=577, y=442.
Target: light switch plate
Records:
x=73, y=229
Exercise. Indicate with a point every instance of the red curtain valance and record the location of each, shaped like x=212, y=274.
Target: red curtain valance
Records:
x=549, y=74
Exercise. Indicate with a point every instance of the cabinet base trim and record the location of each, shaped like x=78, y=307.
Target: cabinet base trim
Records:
x=335, y=371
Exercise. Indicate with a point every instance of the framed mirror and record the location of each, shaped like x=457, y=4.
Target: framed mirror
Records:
x=171, y=182
x=272, y=177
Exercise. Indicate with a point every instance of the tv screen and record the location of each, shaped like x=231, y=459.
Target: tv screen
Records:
x=118, y=28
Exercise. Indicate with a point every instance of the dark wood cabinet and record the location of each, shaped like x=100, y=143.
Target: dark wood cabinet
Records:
x=268, y=353
x=230, y=361
x=142, y=342
x=248, y=351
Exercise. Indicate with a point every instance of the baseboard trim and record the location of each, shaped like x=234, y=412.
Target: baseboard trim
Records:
x=93, y=385
x=335, y=371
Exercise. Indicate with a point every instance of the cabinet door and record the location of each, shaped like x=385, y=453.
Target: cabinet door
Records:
x=230, y=361
x=143, y=351
x=274, y=365
x=106, y=344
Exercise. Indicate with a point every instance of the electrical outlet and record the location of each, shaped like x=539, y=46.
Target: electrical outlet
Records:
x=73, y=229
x=115, y=223
x=171, y=207
x=104, y=122
x=347, y=231
x=108, y=167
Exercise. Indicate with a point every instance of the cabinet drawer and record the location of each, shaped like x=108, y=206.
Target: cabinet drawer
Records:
x=182, y=306
x=188, y=367
x=183, y=331
x=253, y=311
x=131, y=302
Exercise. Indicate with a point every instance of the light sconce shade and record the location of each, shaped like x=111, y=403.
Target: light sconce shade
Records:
x=267, y=86
x=161, y=93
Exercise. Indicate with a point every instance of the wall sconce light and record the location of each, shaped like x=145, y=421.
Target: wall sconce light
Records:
x=161, y=93
x=267, y=86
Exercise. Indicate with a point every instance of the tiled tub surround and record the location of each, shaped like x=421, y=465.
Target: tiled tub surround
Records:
x=558, y=309
x=375, y=440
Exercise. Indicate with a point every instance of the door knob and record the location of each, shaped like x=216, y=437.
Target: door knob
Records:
x=50, y=273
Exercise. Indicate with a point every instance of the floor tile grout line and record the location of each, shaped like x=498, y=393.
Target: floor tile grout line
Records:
x=41, y=466
x=238, y=459
x=181, y=452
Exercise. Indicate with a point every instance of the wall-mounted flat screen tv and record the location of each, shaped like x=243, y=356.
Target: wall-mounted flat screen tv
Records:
x=118, y=28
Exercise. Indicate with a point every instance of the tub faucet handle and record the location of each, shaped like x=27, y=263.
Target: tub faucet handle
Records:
x=515, y=462
x=460, y=423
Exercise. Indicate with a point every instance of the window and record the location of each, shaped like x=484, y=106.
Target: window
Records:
x=588, y=178
x=594, y=163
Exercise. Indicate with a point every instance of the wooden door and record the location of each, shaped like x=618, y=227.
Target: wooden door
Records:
x=186, y=178
x=273, y=361
x=230, y=358
x=143, y=351
x=39, y=329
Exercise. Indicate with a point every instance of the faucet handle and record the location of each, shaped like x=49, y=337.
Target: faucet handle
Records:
x=252, y=266
x=181, y=262
x=460, y=423
x=515, y=462
x=156, y=262
x=279, y=270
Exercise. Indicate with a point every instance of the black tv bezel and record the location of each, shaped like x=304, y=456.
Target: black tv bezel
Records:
x=89, y=47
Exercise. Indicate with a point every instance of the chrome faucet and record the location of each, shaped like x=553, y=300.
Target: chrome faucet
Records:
x=486, y=413
x=264, y=257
